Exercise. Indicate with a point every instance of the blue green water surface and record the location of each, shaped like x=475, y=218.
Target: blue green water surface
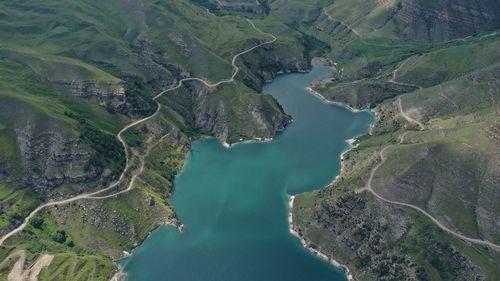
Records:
x=233, y=202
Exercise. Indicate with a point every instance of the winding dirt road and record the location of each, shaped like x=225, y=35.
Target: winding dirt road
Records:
x=119, y=136
x=395, y=75
x=407, y=117
x=369, y=188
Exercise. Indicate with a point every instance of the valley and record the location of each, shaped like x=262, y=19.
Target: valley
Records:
x=100, y=103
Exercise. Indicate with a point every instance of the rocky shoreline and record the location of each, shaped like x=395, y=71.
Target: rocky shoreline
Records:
x=323, y=99
x=120, y=275
x=307, y=245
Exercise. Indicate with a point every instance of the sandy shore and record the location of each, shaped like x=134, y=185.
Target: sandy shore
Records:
x=306, y=245
x=227, y=145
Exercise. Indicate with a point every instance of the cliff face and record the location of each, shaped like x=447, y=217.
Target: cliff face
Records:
x=399, y=21
x=246, y=6
x=102, y=90
x=267, y=62
x=228, y=114
x=262, y=120
x=51, y=159
x=444, y=20
x=45, y=155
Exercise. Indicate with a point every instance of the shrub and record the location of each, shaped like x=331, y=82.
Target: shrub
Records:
x=37, y=222
x=59, y=236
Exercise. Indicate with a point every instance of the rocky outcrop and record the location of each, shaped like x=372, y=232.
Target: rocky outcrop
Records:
x=246, y=6
x=378, y=242
x=248, y=116
x=51, y=159
x=184, y=48
x=231, y=117
x=102, y=90
x=446, y=20
x=271, y=60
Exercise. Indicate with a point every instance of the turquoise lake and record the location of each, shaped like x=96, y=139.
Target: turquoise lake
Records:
x=233, y=202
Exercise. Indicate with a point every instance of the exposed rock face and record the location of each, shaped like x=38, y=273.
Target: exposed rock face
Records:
x=45, y=152
x=185, y=50
x=247, y=6
x=456, y=17
x=232, y=118
x=415, y=20
x=269, y=61
x=262, y=117
x=102, y=90
x=110, y=94
x=51, y=159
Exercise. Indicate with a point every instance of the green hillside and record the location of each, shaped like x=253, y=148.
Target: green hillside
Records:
x=74, y=73
x=445, y=78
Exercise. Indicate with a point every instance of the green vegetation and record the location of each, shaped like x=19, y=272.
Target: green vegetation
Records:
x=73, y=74
x=73, y=267
x=446, y=169
x=16, y=204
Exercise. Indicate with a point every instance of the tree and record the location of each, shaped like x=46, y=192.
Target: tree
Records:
x=37, y=222
x=59, y=236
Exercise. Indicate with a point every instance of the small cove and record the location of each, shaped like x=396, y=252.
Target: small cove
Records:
x=233, y=202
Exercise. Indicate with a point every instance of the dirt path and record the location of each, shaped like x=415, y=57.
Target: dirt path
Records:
x=345, y=25
x=19, y=253
x=369, y=188
x=407, y=117
x=17, y=273
x=119, y=136
x=42, y=262
x=448, y=99
x=395, y=75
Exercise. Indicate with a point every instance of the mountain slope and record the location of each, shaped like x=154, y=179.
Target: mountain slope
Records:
x=447, y=81
x=73, y=74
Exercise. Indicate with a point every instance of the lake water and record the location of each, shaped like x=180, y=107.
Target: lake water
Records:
x=233, y=202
